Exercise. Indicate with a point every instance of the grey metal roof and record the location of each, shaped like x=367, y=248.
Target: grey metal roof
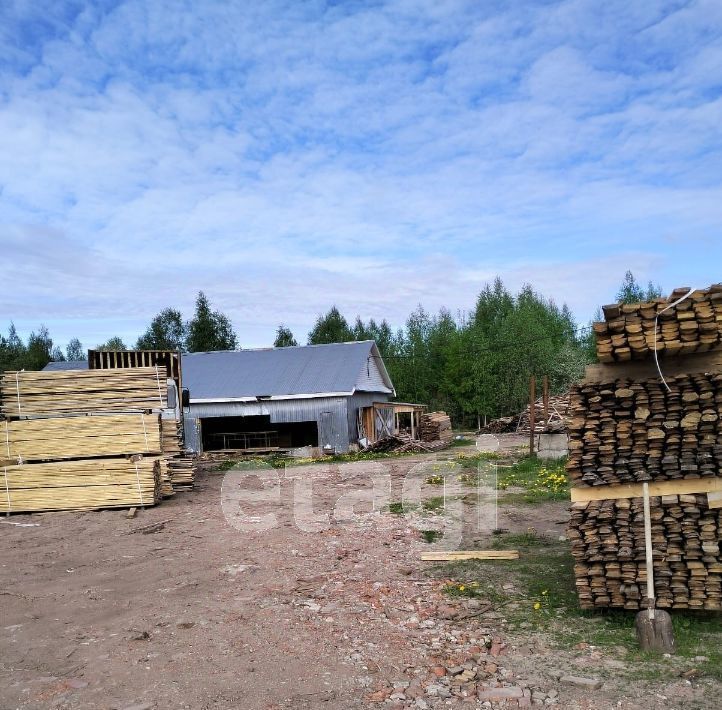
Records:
x=67, y=365
x=278, y=372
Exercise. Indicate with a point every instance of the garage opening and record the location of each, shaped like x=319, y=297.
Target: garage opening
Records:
x=256, y=433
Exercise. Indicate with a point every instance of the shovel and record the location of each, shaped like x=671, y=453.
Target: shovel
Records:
x=653, y=626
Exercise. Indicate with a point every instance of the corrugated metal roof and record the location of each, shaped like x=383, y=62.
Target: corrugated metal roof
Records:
x=67, y=365
x=279, y=372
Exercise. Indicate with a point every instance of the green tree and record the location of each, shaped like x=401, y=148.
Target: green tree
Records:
x=284, y=338
x=166, y=331
x=12, y=350
x=632, y=292
x=114, y=343
x=74, y=351
x=209, y=330
x=39, y=349
x=330, y=328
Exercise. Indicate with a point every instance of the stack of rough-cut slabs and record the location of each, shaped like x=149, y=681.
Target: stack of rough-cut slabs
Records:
x=56, y=438
x=634, y=331
x=59, y=393
x=80, y=485
x=181, y=468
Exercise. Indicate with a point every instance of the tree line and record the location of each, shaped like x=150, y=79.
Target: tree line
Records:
x=474, y=365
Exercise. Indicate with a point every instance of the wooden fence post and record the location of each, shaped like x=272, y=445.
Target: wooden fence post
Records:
x=532, y=423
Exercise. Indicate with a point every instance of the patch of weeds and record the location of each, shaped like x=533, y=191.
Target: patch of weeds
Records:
x=466, y=589
x=468, y=479
x=396, y=508
x=431, y=535
x=506, y=540
x=433, y=504
x=435, y=480
x=541, y=480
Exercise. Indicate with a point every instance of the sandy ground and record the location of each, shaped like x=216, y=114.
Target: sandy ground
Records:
x=324, y=604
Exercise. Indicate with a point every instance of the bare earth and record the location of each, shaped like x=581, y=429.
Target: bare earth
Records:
x=200, y=614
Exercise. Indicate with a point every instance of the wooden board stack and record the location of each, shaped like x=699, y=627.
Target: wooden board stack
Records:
x=79, y=439
x=181, y=468
x=628, y=427
x=694, y=325
x=436, y=426
x=66, y=392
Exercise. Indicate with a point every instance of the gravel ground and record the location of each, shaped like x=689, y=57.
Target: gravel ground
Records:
x=324, y=608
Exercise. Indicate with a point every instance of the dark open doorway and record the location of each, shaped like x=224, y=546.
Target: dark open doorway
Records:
x=256, y=433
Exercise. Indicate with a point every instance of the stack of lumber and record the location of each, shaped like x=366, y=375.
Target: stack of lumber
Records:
x=629, y=431
x=79, y=439
x=694, y=325
x=180, y=467
x=53, y=439
x=435, y=426
x=607, y=538
x=81, y=485
x=628, y=428
x=555, y=421
x=63, y=392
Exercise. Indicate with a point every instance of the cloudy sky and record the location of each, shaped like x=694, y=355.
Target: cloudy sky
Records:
x=284, y=156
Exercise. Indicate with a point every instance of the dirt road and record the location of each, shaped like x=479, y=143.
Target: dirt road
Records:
x=340, y=614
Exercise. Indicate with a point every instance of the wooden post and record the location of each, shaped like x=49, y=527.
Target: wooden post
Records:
x=532, y=423
x=545, y=398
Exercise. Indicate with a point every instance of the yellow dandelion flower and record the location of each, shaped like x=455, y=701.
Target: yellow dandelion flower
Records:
x=537, y=606
x=461, y=587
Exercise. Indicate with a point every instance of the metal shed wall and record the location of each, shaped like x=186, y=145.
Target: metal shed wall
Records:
x=358, y=400
x=281, y=411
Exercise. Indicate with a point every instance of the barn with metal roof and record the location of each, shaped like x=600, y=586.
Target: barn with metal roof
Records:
x=282, y=397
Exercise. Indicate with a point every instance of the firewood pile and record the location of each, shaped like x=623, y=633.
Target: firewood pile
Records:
x=627, y=427
x=693, y=325
x=435, y=426
x=403, y=443
x=82, y=439
x=556, y=421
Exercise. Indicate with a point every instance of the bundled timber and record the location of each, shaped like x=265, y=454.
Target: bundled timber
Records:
x=632, y=431
x=67, y=392
x=404, y=444
x=627, y=427
x=607, y=538
x=179, y=469
x=52, y=439
x=80, y=485
x=435, y=426
x=693, y=325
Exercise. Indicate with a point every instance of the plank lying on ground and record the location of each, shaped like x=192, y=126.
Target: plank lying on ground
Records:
x=470, y=555
x=79, y=437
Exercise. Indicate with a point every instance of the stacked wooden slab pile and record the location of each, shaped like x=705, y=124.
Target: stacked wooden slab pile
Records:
x=436, y=426
x=181, y=467
x=694, y=325
x=79, y=439
x=627, y=428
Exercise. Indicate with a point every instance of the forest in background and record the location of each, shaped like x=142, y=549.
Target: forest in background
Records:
x=475, y=365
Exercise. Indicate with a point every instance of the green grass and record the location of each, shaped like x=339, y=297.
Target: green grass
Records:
x=431, y=535
x=463, y=442
x=540, y=481
x=433, y=504
x=544, y=602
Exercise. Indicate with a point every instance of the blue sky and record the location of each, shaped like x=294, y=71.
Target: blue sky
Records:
x=284, y=156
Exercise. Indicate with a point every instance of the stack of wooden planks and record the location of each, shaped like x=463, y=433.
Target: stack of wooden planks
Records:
x=629, y=431
x=435, y=426
x=693, y=325
x=80, y=485
x=80, y=439
x=607, y=538
x=59, y=393
x=180, y=467
x=629, y=428
x=53, y=439
x=557, y=412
